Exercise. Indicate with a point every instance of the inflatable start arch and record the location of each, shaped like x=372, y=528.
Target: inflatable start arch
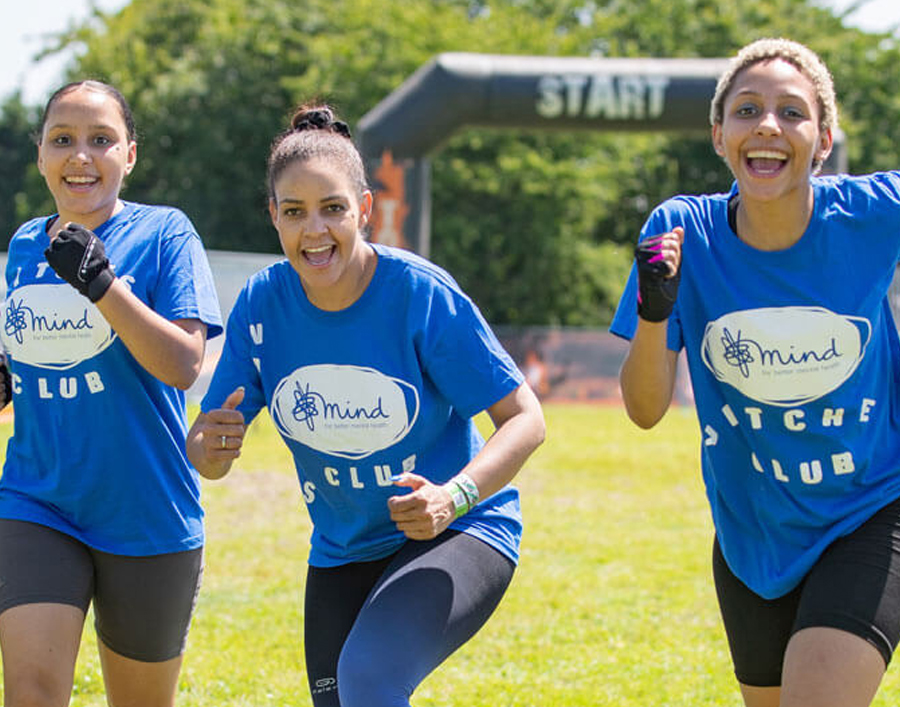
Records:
x=546, y=93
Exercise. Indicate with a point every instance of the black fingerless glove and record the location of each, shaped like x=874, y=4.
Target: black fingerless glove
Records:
x=656, y=290
x=79, y=258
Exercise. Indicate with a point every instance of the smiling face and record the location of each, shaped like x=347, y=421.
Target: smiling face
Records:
x=319, y=218
x=770, y=135
x=84, y=155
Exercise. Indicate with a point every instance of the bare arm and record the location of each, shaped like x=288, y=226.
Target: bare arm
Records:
x=170, y=350
x=520, y=429
x=647, y=377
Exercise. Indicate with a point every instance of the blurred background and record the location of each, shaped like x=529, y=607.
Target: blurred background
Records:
x=536, y=225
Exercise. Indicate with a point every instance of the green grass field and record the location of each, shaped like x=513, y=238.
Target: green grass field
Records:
x=612, y=604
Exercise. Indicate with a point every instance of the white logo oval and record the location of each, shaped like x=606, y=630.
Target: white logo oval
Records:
x=785, y=355
x=52, y=326
x=347, y=411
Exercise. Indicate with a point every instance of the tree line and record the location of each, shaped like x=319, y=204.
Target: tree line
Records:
x=538, y=227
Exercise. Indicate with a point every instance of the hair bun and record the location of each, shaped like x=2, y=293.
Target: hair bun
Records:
x=320, y=119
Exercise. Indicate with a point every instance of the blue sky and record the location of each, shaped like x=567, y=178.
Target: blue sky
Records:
x=26, y=24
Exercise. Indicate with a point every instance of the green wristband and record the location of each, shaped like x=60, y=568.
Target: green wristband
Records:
x=460, y=502
x=468, y=487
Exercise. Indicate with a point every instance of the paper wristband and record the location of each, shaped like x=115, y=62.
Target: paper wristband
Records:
x=468, y=487
x=460, y=502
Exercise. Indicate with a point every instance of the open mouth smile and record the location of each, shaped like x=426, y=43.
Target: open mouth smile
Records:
x=766, y=163
x=319, y=256
x=80, y=181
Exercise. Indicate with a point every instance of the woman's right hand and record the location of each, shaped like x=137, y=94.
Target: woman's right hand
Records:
x=659, y=273
x=216, y=437
x=647, y=376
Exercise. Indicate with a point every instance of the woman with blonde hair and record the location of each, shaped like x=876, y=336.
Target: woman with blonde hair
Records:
x=777, y=292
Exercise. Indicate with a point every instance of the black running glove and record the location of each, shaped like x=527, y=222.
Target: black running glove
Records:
x=656, y=290
x=79, y=258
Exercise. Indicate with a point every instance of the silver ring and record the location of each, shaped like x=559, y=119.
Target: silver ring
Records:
x=224, y=441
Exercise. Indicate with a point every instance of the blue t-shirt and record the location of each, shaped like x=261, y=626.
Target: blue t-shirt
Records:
x=387, y=385
x=795, y=364
x=98, y=449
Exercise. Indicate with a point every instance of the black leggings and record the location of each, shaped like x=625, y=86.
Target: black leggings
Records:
x=374, y=630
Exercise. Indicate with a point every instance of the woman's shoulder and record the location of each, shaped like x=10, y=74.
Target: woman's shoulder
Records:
x=269, y=278
x=412, y=270
x=697, y=213
x=695, y=203
x=29, y=240
x=169, y=220
x=31, y=229
x=859, y=193
x=264, y=291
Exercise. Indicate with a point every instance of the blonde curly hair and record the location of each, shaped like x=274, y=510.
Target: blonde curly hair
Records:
x=802, y=57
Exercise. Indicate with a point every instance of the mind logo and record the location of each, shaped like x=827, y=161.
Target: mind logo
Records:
x=347, y=411
x=785, y=356
x=52, y=326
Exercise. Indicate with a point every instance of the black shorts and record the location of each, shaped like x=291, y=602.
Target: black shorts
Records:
x=142, y=605
x=855, y=587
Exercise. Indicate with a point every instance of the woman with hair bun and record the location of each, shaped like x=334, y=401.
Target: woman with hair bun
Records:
x=372, y=363
x=109, y=304
x=777, y=292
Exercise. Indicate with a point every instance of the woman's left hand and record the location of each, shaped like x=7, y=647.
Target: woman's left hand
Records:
x=426, y=512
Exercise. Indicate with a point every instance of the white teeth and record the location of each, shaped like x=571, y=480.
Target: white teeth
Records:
x=320, y=249
x=766, y=155
x=81, y=180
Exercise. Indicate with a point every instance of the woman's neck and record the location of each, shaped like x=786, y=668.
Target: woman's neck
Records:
x=350, y=286
x=92, y=221
x=777, y=224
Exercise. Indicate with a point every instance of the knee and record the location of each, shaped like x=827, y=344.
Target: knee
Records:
x=37, y=688
x=365, y=681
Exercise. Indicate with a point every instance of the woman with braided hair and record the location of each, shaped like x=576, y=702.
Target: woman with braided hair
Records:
x=372, y=363
x=777, y=292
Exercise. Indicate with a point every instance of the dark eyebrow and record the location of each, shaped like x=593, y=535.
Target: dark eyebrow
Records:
x=332, y=197
x=65, y=126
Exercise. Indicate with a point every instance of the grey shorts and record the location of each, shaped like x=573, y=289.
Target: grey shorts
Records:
x=142, y=605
